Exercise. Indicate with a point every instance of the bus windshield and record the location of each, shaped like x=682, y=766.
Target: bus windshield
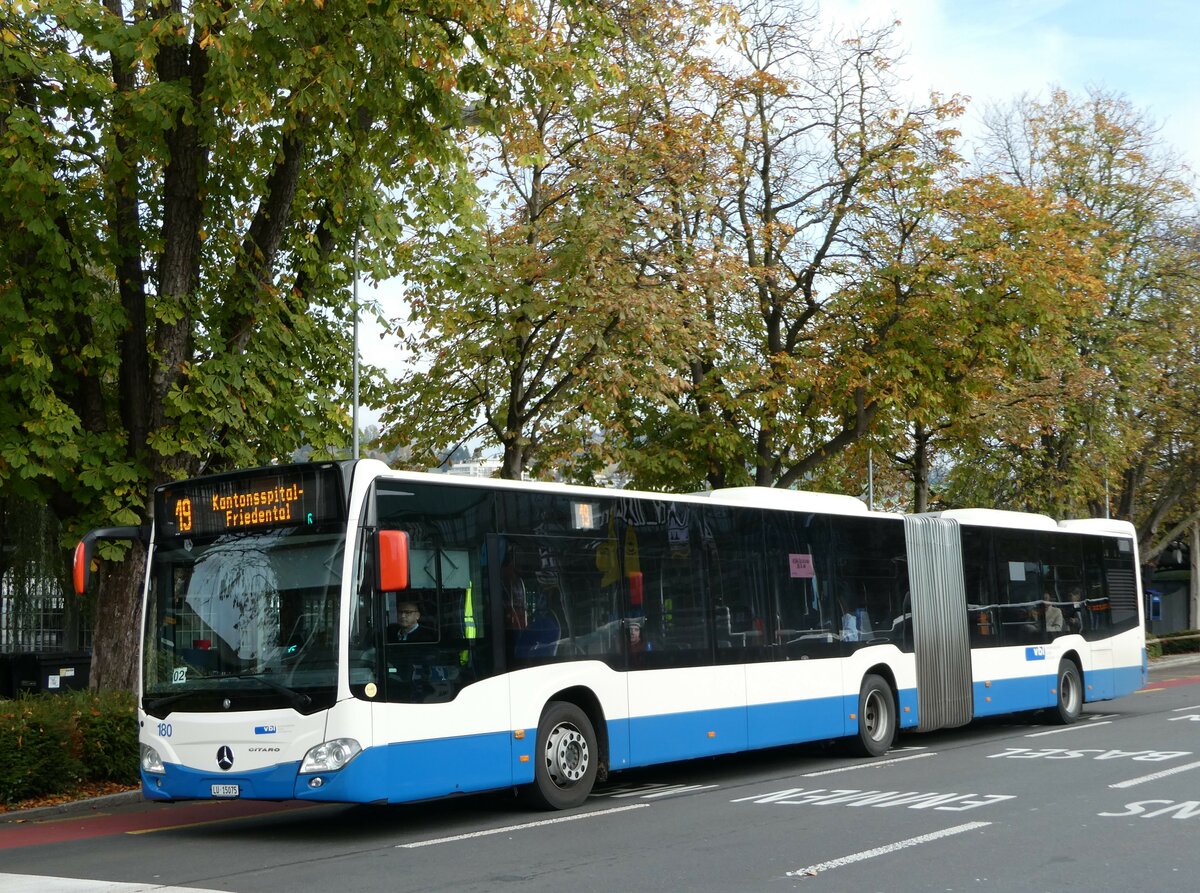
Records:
x=253, y=614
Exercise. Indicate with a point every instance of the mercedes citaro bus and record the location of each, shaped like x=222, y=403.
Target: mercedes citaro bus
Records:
x=343, y=632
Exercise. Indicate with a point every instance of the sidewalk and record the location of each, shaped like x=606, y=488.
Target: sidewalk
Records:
x=70, y=809
x=1175, y=660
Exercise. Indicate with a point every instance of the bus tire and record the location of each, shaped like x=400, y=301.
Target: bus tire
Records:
x=876, y=717
x=1070, y=693
x=566, y=760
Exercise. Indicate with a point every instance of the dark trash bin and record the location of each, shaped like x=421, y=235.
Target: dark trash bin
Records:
x=49, y=672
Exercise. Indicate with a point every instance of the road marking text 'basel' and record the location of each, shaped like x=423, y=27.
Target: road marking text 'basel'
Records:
x=1087, y=753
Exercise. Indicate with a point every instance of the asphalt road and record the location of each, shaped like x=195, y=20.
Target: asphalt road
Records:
x=1112, y=803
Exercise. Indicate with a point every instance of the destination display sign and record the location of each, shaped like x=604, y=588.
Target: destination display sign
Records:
x=288, y=496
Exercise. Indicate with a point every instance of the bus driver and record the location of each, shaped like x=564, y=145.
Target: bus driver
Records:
x=409, y=628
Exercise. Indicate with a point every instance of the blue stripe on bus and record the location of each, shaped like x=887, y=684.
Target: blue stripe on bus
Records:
x=417, y=770
x=1105, y=684
x=794, y=721
x=910, y=716
x=1013, y=695
x=413, y=770
x=681, y=736
x=180, y=783
x=1037, y=692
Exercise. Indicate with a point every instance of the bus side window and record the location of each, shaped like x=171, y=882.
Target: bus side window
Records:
x=982, y=615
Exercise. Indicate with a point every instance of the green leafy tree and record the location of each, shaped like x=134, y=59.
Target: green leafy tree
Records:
x=542, y=309
x=180, y=188
x=1104, y=433
x=797, y=360
x=984, y=286
x=1160, y=484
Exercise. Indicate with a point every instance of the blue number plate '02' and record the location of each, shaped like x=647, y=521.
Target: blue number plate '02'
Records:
x=225, y=790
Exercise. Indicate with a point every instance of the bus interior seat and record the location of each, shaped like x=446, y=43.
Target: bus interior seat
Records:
x=540, y=638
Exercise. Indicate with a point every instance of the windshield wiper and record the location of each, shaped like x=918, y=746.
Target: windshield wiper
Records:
x=297, y=699
x=153, y=707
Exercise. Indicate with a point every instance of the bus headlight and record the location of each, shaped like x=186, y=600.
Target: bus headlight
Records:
x=151, y=761
x=330, y=756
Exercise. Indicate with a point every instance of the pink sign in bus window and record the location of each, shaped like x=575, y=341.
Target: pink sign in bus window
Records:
x=801, y=565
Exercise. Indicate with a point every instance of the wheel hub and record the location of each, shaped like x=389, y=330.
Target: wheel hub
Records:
x=567, y=756
x=875, y=717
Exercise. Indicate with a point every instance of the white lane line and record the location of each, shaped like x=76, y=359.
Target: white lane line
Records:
x=871, y=765
x=884, y=850
x=630, y=789
x=649, y=789
x=30, y=883
x=1098, y=716
x=1075, y=728
x=1155, y=776
x=1184, y=709
x=490, y=831
x=684, y=790
x=769, y=798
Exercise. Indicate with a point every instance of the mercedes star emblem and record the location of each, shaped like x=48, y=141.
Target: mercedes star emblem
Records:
x=225, y=757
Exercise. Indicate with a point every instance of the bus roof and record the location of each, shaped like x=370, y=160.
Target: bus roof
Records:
x=1000, y=518
x=768, y=498
x=791, y=500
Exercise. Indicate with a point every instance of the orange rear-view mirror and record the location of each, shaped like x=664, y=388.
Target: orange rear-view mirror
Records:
x=393, y=560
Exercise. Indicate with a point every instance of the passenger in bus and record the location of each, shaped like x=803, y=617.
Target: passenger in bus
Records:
x=1053, y=613
x=1077, y=613
x=856, y=625
x=638, y=645
x=849, y=627
x=409, y=629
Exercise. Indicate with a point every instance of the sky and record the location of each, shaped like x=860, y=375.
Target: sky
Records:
x=991, y=51
x=994, y=50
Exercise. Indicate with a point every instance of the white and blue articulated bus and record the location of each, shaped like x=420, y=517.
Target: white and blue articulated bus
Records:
x=342, y=632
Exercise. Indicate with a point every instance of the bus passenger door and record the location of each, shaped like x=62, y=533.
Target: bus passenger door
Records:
x=686, y=628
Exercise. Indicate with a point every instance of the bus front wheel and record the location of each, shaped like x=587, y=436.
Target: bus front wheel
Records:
x=1070, y=693
x=876, y=717
x=566, y=760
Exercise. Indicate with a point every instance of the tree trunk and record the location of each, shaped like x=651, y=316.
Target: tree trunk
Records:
x=512, y=466
x=118, y=623
x=920, y=469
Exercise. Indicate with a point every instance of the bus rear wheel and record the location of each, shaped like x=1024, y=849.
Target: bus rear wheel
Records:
x=876, y=717
x=1070, y=693
x=567, y=758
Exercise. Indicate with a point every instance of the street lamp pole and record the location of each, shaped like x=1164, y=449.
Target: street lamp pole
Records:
x=354, y=302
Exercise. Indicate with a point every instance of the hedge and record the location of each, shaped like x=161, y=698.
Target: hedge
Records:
x=1186, y=641
x=50, y=743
